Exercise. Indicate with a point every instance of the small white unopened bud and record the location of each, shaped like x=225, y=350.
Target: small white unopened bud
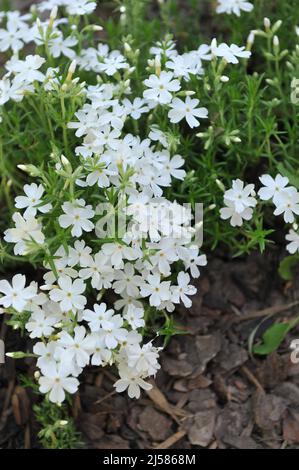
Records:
x=157, y=65
x=37, y=374
x=63, y=422
x=295, y=226
x=127, y=47
x=73, y=66
x=214, y=43
x=224, y=79
x=71, y=70
x=96, y=27
x=276, y=26
x=54, y=12
x=275, y=41
x=22, y=167
x=190, y=93
x=250, y=39
x=220, y=185
x=267, y=23
x=64, y=161
x=16, y=354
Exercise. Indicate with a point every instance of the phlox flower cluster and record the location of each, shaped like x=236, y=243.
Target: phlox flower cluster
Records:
x=240, y=201
x=113, y=249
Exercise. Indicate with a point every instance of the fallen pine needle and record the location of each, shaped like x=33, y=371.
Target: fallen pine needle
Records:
x=171, y=440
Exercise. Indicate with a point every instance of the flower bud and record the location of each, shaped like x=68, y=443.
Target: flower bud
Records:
x=276, y=44
x=17, y=354
x=220, y=185
x=96, y=27
x=53, y=14
x=250, y=40
x=267, y=24
x=30, y=169
x=64, y=161
x=157, y=65
x=71, y=71
x=276, y=26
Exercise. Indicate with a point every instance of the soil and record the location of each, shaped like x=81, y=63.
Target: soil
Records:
x=209, y=393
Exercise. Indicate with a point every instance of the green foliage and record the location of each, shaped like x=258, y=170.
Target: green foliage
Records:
x=286, y=267
x=57, y=428
x=253, y=126
x=171, y=328
x=274, y=336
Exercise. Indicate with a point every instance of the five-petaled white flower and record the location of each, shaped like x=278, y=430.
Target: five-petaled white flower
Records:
x=57, y=382
x=99, y=317
x=160, y=87
x=26, y=232
x=186, y=109
x=16, y=295
x=183, y=289
x=132, y=381
x=288, y=204
x=241, y=196
x=273, y=187
x=32, y=201
x=40, y=324
x=69, y=294
x=79, y=346
x=77, y=215
x=156, y=290
x=27, y=69
x=293, y=238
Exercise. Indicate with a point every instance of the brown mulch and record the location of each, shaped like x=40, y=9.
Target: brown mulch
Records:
x=209, y=392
